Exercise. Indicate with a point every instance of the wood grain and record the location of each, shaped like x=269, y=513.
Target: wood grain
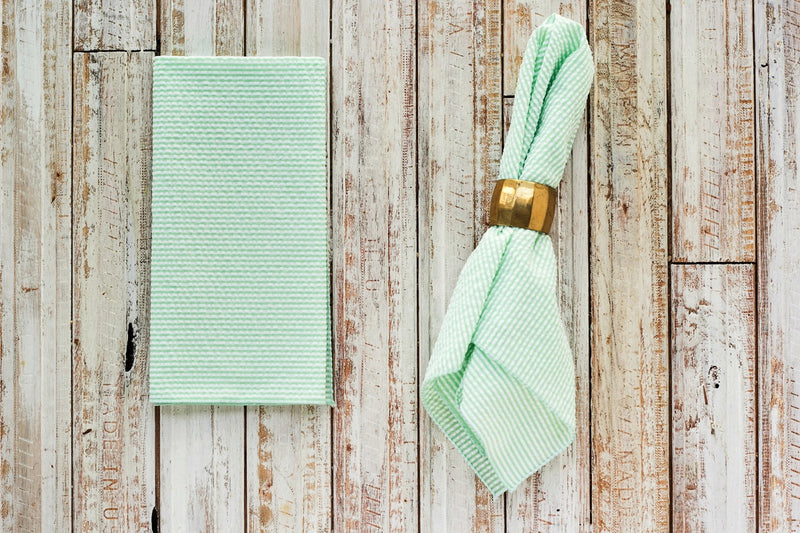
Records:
x=202, y=483
x=713, y=398
x=288, y=27
x=289, y=468
x=558, y=496
x=777, y=38
x=374, y=265
x=80, y=446
x=289, y=472
x=628, y=261
x=203, y=27
x=202, y=469
x=35, y=267
x=460, y=128
x=520, y=18
x=713, y=154
x=113, y=422
x=118, y=25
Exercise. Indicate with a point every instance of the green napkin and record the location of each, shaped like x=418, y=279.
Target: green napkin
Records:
x=500, y=381
x=240, y=307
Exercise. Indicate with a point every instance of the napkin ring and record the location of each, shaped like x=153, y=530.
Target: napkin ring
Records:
x=522, y=204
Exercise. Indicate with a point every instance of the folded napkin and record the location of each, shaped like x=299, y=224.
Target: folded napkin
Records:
x=500, y=382
x=240, y=307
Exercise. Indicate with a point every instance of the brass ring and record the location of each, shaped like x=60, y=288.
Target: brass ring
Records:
x=523, y=204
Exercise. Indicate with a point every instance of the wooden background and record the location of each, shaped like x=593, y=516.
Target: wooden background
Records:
x=677, y=235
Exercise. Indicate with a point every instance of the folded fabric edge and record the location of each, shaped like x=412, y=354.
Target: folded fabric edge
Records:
x=210, y=401
x=163, y=396
x=456, y=429
x=241, y=59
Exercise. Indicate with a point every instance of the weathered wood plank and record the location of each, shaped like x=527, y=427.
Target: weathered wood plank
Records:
x=375, y=265
x=713, y=398
x=203, y=27
x=113, y=422
x=202, y=483
x=520, y=18
x=558, y=497
x=118, y=25
x=628, y=268
x=460, y=129
x=713, y=152
x=293, y=27
x=777, y=38
x=289, y=470
x=35, y=267
x=202, y=468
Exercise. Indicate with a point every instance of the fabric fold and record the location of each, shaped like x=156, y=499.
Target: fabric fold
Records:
x=500, y=381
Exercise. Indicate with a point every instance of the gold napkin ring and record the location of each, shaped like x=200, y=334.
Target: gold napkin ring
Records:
x=522, y=204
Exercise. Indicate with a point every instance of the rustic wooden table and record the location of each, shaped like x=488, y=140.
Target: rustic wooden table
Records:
x=677, y=236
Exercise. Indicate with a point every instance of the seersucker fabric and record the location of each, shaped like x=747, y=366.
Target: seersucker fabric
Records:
x=500, y=381
x=240, y=308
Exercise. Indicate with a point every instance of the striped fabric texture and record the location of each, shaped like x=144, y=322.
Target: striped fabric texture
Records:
x=239, y=305
x=500, y=382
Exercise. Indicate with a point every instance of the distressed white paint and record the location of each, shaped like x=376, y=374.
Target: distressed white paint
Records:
x=713, y=157
x=113, y=422
x=35, y=266
x=373, y=162
x=628, y=261
x=288, y=27
x=201, y=27
x=202, y=469
x=117, y=25
x=713, y=398
x=371, y=456
x=777, y=31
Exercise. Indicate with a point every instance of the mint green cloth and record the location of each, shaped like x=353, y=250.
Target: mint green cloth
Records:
x=500, y=381
x=240, y=305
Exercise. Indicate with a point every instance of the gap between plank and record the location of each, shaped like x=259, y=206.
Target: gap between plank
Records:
x=670, y=229
x=756, y=283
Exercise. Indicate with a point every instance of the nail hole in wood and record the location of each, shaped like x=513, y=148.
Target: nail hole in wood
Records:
x=130, y=349
x=713, y=375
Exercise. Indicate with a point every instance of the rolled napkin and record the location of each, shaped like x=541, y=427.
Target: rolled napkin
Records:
x=500, y=381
